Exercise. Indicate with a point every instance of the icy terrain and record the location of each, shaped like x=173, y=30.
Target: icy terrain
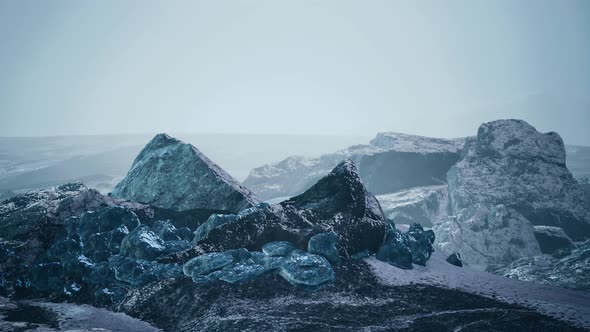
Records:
x=565, y=304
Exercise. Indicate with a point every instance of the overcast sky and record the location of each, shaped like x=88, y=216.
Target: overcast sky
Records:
x=436, y=68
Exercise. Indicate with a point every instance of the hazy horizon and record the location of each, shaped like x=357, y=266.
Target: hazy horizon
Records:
x=297, y=68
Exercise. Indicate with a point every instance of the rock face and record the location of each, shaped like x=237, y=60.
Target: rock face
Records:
x=391, y=162
x=487, y=236
x=171, y=174
x=426, y=206
x=568, y=268
x=551, y=239
x=512, y=164
x=338, y=202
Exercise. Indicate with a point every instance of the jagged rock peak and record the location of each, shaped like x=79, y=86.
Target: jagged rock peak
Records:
x=340, y=191
x=169, y=173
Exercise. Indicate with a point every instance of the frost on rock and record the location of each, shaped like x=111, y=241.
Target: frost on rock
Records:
x=568, y=268
x=391, y=162
x=422, y=205
x=487, y=236
x=338, y=203
x=171, y=174
x=511, y=163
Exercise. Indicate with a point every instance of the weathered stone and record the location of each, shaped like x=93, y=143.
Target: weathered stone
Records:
x=171, y=174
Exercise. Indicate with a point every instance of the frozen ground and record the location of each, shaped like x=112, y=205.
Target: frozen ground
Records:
x=564, y=304
x=42, y=316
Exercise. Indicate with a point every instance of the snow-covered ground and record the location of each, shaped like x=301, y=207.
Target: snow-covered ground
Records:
x=44, y=316
x=560, y=303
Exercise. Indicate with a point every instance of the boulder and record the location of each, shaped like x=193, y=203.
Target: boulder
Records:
x=510, y=163
x=175, y=175
x=305, y=269
x=455, y=259
x=487, y=236
x=402, y=249
x=325, y=244
x=278, y=248
x=236, y=266
x=551, y=239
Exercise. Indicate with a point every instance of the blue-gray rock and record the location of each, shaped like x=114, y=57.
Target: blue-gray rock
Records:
x=142, y=243
x=402, y=249
x=455, y=259
x=203, y=265
x=278, y=248
x=325, y=244
x=305, y=269
x=172, y=174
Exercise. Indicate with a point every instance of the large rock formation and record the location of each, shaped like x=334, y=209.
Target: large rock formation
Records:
x=511, y=163
x=391, y=162
x=338, y=202
x=171, y=174
x=486, y=236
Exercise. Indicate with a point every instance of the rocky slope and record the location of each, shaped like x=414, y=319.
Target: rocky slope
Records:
x=391, y=162
x=171, y=174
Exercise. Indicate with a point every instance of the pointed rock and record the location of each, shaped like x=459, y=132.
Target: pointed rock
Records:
x=171, y=174
x=338, y=203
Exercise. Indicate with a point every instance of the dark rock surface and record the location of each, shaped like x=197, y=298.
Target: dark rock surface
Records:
x=455, y=259
x=355, y=301
x=402, y=249
x=171, y=174
x=551, y=239
x=338, y=202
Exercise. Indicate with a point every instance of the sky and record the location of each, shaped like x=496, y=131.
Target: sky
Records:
x=330, y=67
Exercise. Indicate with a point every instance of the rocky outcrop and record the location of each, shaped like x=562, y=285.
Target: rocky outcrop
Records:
x=426, y=206
x=391, y=162
x=551, y=239
x=487, y=236
x=569, y=268
x=338, y=202
x=171, y=174
x=511, y=163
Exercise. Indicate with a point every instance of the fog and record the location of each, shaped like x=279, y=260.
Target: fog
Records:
x=293, y=67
